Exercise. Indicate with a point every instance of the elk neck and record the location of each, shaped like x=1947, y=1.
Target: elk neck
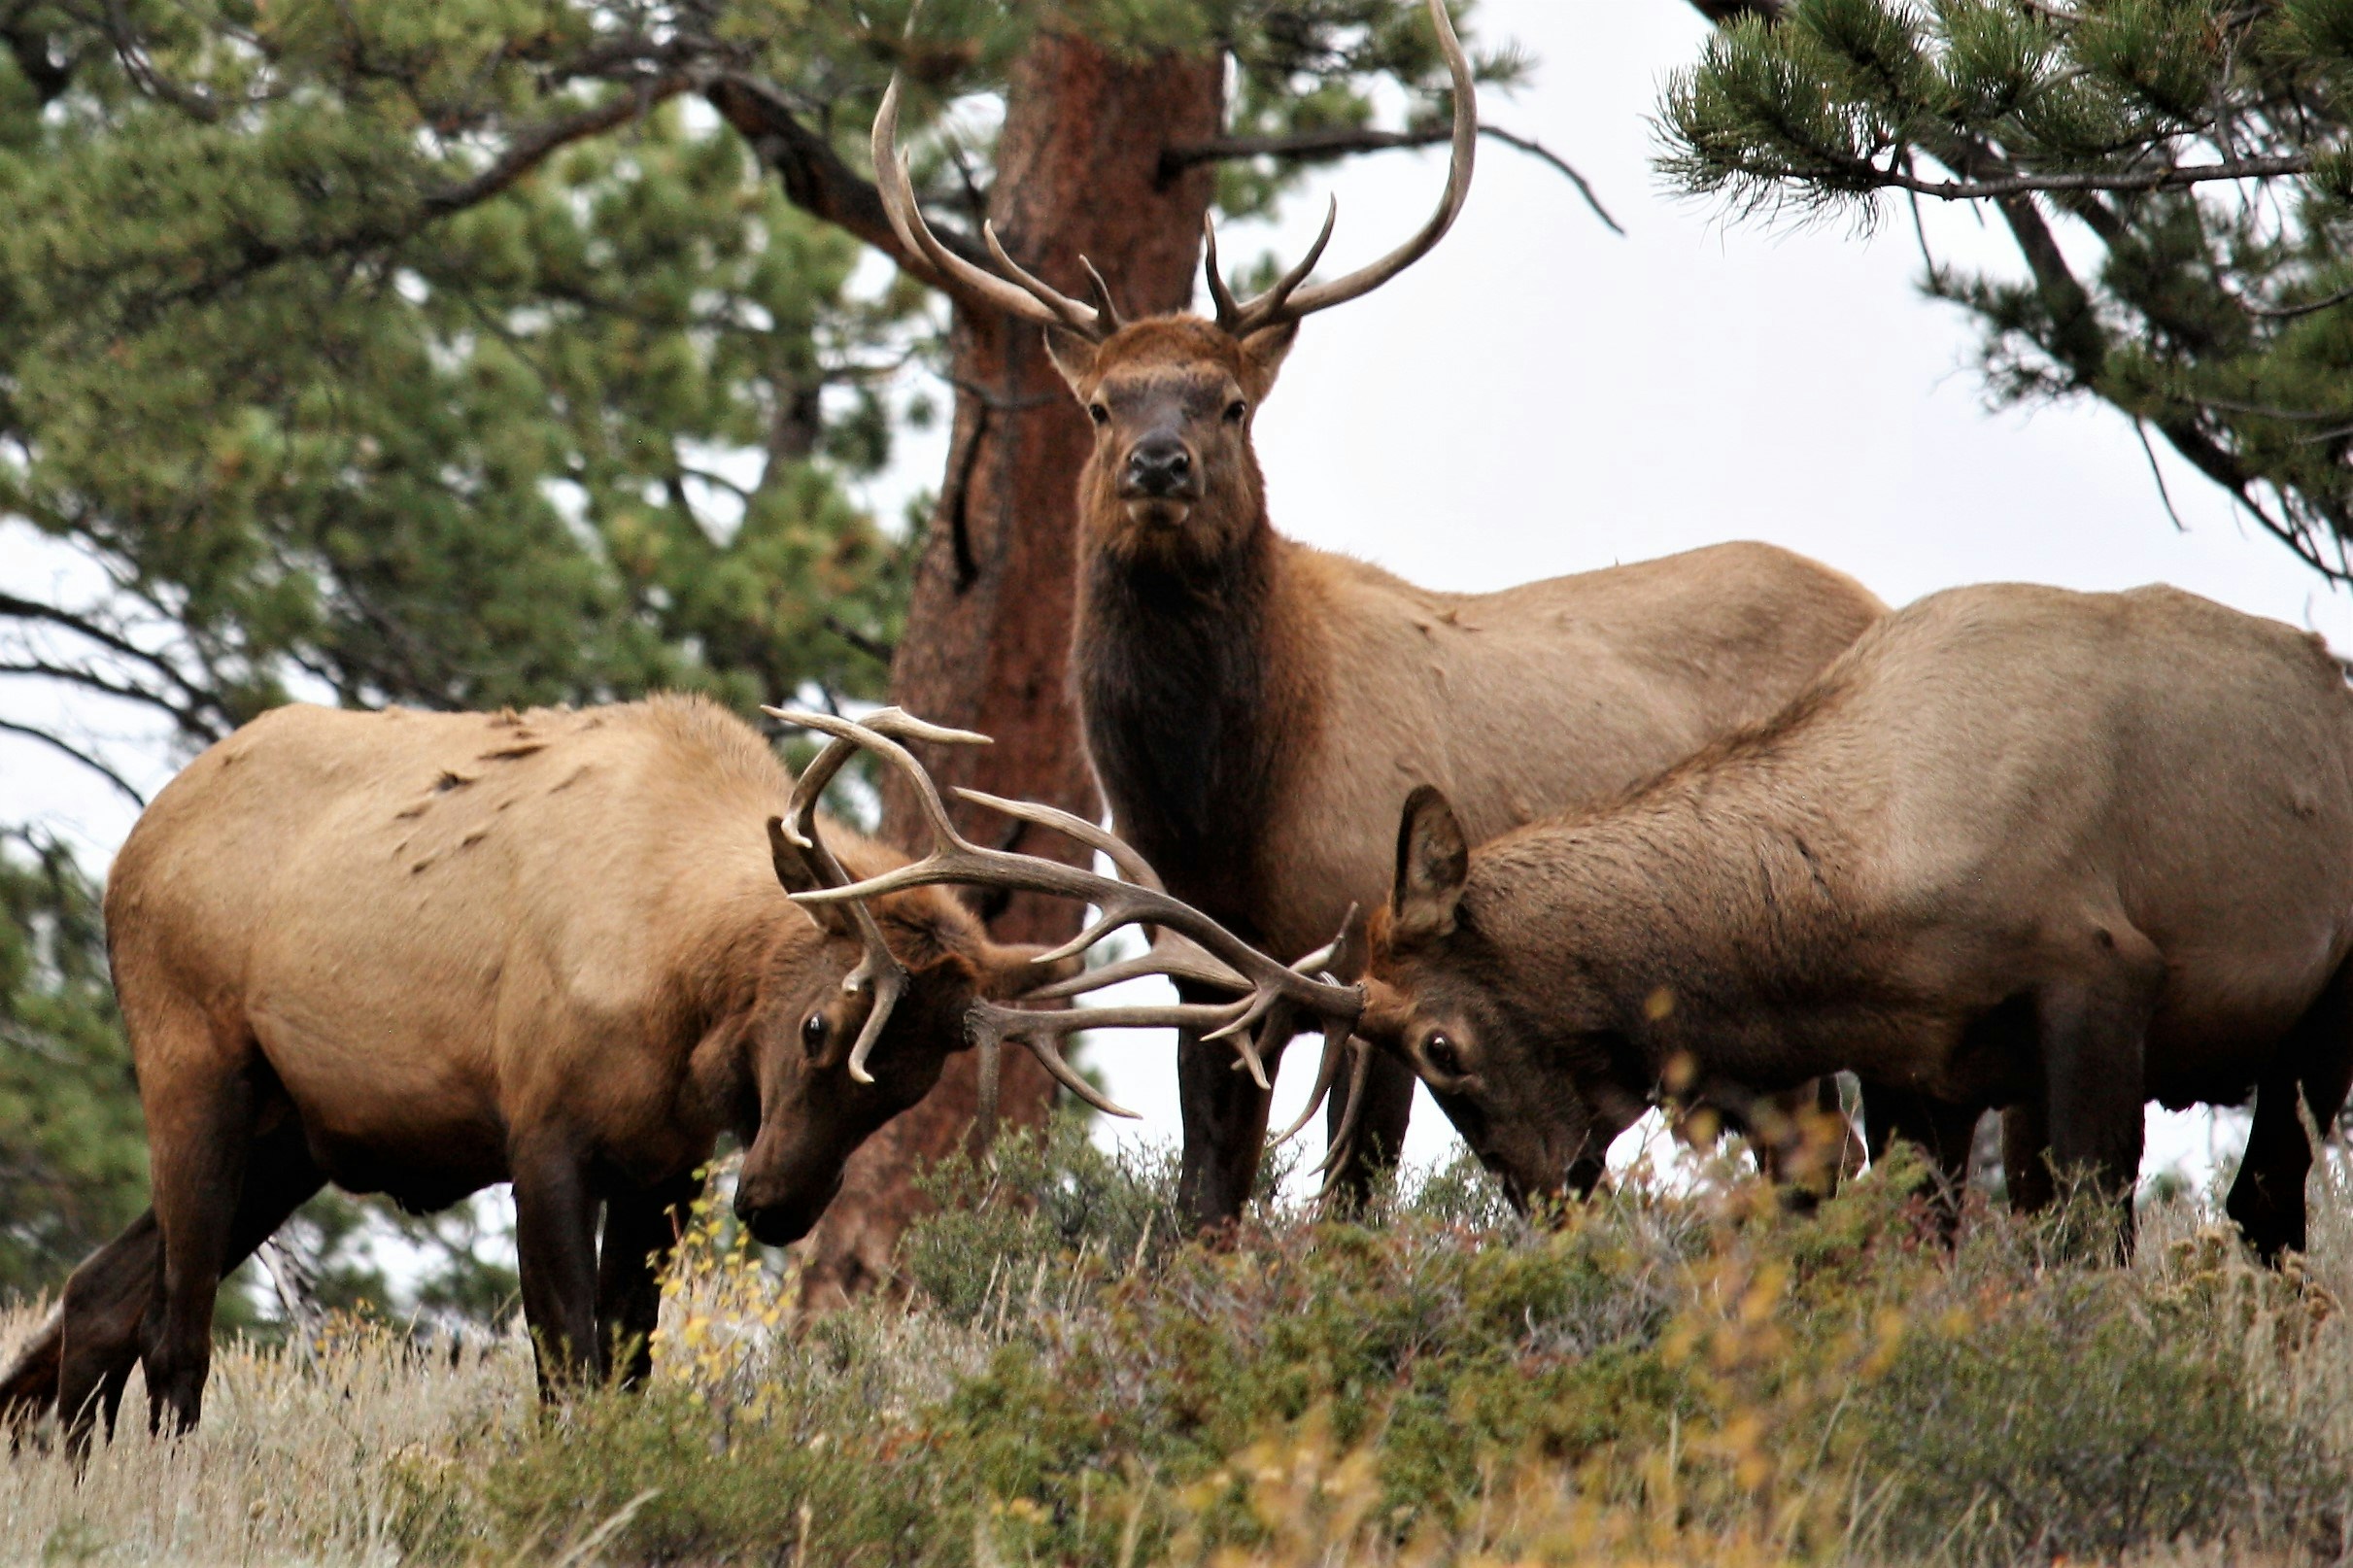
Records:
x=1714, y=908
x=1197, y=679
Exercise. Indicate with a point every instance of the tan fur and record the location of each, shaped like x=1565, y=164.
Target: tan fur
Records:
x=421, y=953
x=2018, y=846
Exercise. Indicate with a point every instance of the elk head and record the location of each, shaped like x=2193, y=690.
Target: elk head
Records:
x=833, y=1058
x=1539, y=1074
x=1172, y=474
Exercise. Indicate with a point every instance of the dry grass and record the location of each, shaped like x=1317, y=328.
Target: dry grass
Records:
x=297, y=1459
x=1682, y=1378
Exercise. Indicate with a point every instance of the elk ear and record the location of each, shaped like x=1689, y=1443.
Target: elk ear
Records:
x=1072, y=354
x=1011, y=972
x=1264, y=350
x=1433, y=861
x=794, y=870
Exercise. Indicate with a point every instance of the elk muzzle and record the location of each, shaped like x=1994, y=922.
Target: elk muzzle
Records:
x=1161, y=479
x=783, y=1220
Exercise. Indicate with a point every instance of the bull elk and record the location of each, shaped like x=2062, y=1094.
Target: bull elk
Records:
x=418, y=954
x=2062, y=853
x=1255, y=709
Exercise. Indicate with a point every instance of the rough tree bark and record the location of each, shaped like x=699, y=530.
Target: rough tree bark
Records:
x=987, y=642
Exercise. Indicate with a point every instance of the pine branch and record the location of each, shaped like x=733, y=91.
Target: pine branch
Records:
x=533, y=144
x=191, y=722
x=1721, y=12
x=114, y=642
x=1343, y=141
x=1863, y=171
x=60, y=744
x=817, y=180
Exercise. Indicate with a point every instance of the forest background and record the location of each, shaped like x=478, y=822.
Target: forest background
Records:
x=284, y=412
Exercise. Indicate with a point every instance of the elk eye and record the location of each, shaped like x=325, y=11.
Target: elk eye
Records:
x=1235, y=410
x=1444, y=1058
x=1099, y=413
x=813, y=1029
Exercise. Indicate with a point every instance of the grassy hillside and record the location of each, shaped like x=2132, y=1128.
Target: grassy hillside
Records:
x=1683, y=1375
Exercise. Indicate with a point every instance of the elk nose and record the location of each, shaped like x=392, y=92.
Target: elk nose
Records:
x=1160, y=466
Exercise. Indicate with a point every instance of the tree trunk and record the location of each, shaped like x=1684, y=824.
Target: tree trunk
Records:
x=987, y=642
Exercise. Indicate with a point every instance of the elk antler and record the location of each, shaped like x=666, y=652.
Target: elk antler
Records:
x=879, y=967
x=1018, y=293
x=1015, y=289
x=1208, y=951
x=1287, y=302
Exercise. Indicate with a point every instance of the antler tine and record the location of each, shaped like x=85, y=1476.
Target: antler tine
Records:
x=1118, y=851
x=1084, y=319
x=1229, y=314
x=1106, y=306
x=1336, y=1030
x=1023, y=296
x=1172, y=958
x=1351, y=1115
x=988, y=1022
x=1327, y=1073
x=1280, y=304
x=1270, y=307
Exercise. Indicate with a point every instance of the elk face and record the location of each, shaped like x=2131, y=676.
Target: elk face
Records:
x=813, y=1110
x=1173, y=476
x=1533, y=1070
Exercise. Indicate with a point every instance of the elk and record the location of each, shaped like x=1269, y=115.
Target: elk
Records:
x=1255, y=708
x=2062, y=853
x=421, y=953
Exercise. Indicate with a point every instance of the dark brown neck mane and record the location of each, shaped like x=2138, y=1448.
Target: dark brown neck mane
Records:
x=1190, y=688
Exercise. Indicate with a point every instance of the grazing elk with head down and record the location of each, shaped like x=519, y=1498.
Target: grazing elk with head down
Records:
x=2058, y=852
x=1255, y=709
x=421, y=953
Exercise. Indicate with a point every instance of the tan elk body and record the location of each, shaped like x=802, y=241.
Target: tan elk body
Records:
x=421, y=953
x=1257, y=709
x=2021, y=847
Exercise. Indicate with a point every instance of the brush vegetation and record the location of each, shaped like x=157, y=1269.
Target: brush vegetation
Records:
x=1678, y=1372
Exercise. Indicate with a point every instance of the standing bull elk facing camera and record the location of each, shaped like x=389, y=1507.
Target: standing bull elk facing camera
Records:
x=1257, y=709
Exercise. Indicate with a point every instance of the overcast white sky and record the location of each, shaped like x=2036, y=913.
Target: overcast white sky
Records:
x=1541, y=396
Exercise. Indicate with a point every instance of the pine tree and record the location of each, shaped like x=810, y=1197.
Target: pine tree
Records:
x=2197, y=150
x=484, y=353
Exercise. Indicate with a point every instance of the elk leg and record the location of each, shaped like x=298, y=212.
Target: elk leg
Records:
x=1938, y=1128
x=2094, y=1083
x=116, y=1307
x=201, y=1105
x=2314, y=1062
x=556, y=1255
x=110, y=1311
x=2026, y=1156
x=1389, y=1104
x=2267, y=1198
x=1225, y=1129
x=640, y=1230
